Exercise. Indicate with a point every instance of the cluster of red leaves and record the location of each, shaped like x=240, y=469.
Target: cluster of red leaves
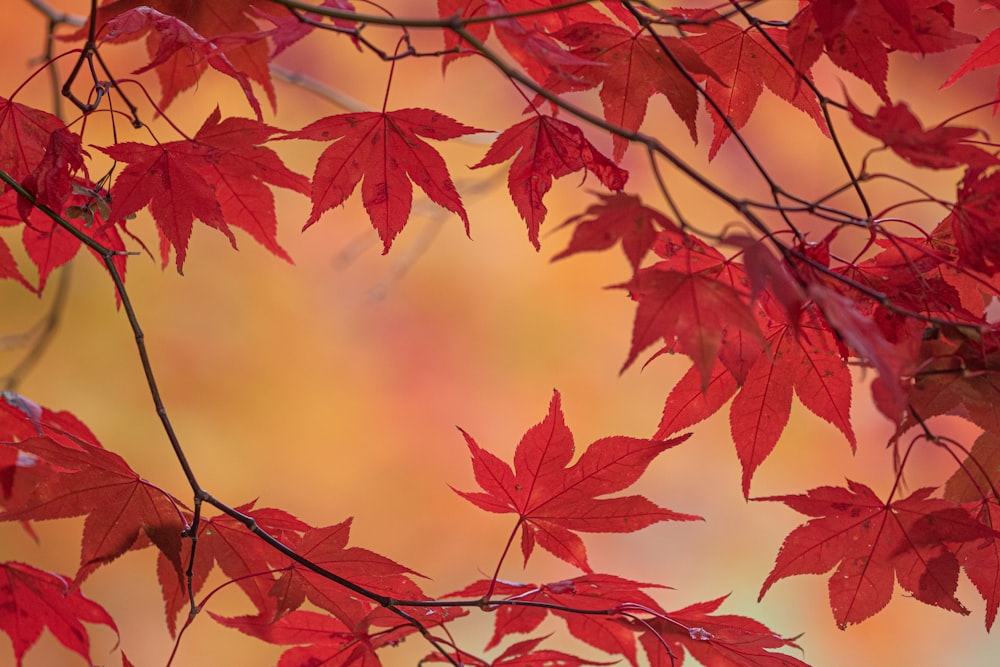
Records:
x=52, y=467
x=759, y=326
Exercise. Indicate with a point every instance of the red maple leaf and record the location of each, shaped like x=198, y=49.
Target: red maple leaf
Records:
x=808, y=361
x=554, y=502
x=941, y=147
x=219, y=177
x=198, y=29
x=385, y=149
x=32, y=600
x=746, y=61
x=972, y=221
x=724, y=639
x=544, y=149
x=986, y=54
x=241, y=556
x=589, y=592
x=48, y=244
x=619, y=217
x=691, y=400
x=25, y=133
x=327, y=548
x=123, y=510
x=521, y=654
x=630, y=66
x=981, y=558
x=177, y=43
x=858, y=36
x=526, y=38
x=872, y=543
x=693, y=313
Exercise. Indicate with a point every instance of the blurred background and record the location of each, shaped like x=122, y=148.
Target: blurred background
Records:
x=332, y=387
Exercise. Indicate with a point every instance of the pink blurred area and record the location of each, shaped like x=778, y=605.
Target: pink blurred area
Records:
x=332, y=388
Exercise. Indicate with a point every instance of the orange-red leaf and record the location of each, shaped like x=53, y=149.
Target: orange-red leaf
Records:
x=386, y=150
x=874, y=543
x=544, y=149
x=220, y=177
x=32, y=600
x=810, y=363
x=554, y=500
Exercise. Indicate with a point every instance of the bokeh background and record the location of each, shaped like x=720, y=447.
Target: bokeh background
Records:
x=332, y=387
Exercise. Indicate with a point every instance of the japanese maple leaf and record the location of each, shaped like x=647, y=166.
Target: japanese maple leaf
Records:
x=858, y=36
x=981, y=558
x=986, y=54
x=521, y=654
x=173, y=42
x=808, y=362
x=691, y=401
x=327, y=548
x=220, y=177
x=745, y=61
x=618, y=217
x=525, y=37
x=692, y=312
x=240, y=555
x=123, y=510
x=630, y=66
x=941, y=147
x=554, y=502
x=544, y=149
x=48, y=244
x=874, y=543
x=386, y=150
x=25, y=134
x=247, y=51
x=32, y=600
x=972, y=220
x=589, y=592
x=711, y=639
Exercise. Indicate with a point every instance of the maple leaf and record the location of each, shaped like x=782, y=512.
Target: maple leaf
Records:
x=544, y=149
x=327, y=548
x=872, y=543
x=385, y=149
x=808, y=361
x=25, y=134
x=522, y=654
x=981, y=559
x=619, y=217
x=525, y=37
x=51, y=181
x=745, y=61
x=941, y=147
x=692, y=312
x=31, y=600
x=241, y=556
x=857, y=36
x=188, y=31
x=170, y=36
x=724, y=639
x=123, y=510
x=554, y=501
x=691, y=400
x=590, y=592
x=972, y=220
x=986, y=54
x=48, y=244
x=630, y=66
x=218, y=177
